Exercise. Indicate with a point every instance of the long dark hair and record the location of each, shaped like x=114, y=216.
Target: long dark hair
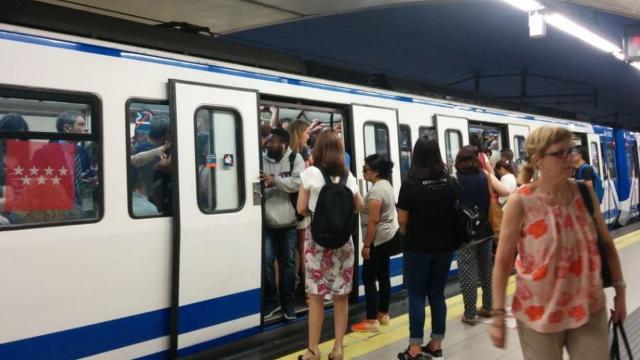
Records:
x=328, y=153
x=426, y=162
x=379, y=164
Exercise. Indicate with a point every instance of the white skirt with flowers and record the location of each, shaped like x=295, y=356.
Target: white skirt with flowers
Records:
x=328, y=271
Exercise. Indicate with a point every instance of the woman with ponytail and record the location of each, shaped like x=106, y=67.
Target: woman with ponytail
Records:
x=559, y=300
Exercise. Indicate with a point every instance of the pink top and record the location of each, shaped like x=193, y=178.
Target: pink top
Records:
x=558, y=282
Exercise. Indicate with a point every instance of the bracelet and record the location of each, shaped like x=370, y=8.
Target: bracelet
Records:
x=619, y=283
x=498, y=312
x=367, y=246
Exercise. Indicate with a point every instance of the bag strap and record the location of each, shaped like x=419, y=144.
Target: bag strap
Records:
x=327, y=178
x=625, y=341
x=614, y=350
x=488, y=176
x=586, y=197
x=292, y=160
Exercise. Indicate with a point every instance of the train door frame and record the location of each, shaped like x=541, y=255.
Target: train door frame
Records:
x=503, y=128
x=445, y=123
x=190, y=297
x=302, y=105
x=363, y=115
x=594, y=139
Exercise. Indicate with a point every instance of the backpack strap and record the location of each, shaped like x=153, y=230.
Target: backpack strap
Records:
x=586, y=197
x=292, y=160
x=580, y=171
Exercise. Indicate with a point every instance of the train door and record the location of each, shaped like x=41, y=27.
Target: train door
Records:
x=610, y=208
x=453, y=133
x=217, y=215
x=376, y=131
x=628, y=178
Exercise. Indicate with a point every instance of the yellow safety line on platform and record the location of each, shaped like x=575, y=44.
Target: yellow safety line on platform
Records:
x=361, y=343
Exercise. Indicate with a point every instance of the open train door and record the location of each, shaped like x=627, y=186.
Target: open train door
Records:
x=376, y=132
x=217, y=219
x=453, y=133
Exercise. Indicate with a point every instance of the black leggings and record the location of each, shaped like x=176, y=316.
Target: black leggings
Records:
x=377, y=268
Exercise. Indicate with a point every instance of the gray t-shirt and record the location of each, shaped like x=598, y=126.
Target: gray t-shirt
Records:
x=388, y=225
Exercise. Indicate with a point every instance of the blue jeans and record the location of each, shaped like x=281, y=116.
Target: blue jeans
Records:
x=425, y=275
x=280, y=244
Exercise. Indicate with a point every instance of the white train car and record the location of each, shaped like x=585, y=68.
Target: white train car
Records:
x=99, y=277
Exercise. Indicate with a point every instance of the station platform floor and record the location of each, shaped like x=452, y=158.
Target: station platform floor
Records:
x=472, y=342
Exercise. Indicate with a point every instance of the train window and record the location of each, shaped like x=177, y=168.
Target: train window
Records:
x=595, y=156
x=610, y=160
x=49, y=158
x=631, y=163
x=218, y=159
x=376, y=139
x=430, y=131
x=405, y=150
x=452, y=144
x=519, y=153
x=149, y=159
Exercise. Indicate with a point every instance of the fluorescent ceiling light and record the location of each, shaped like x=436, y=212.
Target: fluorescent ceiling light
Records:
x=636, y=65
x=570, y=27
x=525, y=5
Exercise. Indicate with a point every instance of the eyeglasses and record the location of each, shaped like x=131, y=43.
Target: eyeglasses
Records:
x=560, y=154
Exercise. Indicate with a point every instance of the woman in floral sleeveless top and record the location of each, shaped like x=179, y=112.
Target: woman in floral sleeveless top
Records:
x=559, y=300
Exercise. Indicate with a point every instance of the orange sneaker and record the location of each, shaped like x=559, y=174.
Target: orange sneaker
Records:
x=366, y=326
x=383, y=318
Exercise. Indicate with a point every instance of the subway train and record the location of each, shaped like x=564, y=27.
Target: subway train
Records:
x=91, y=265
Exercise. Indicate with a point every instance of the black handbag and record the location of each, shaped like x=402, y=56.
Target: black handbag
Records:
x=614, y=352
x=604, y=265
x=396, y=244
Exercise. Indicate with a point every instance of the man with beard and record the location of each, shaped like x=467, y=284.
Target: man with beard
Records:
x=281, y=178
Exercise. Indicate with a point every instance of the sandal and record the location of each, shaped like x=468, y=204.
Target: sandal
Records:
x=314, y=356
x=336, y=356
x=468, y=321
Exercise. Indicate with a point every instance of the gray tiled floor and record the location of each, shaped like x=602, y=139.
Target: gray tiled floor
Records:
x=465, y=342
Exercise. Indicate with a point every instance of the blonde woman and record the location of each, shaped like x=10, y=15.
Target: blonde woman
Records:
x=559, y=300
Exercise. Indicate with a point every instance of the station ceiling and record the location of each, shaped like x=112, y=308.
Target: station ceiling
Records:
x=435, y=42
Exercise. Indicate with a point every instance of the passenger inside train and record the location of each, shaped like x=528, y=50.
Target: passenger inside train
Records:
x=49, y=169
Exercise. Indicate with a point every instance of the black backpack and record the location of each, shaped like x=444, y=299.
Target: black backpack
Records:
x=473, y=227
x=333, y=219
x=293, y=197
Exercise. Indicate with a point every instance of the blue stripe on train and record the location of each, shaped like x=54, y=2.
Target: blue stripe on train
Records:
x=113, y=334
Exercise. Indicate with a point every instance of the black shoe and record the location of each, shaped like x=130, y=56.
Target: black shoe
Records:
x=433, y=354
x=406, y=356
x=289, y=312
x=272, y=311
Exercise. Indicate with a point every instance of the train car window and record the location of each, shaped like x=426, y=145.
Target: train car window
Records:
x=218, y=142
x=149, y=159
x=595, y=159
x=519, y=153
x=429, y=131
x=610, y=160
x=376, y=139
x=452, y=144
x=405, y=150
x=491, y=137
x=50, y=158
x=630, y=159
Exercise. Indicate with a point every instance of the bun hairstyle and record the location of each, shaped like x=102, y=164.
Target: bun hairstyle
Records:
x=379, y=164
x=506, y=164
x=537, y=143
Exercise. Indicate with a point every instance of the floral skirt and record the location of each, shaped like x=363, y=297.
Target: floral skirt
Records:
x=328, y=271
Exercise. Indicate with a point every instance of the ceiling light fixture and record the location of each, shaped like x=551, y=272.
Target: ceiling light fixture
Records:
x=572, y=28
x=525, y=5
x=636, y=64
x=537, y=26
